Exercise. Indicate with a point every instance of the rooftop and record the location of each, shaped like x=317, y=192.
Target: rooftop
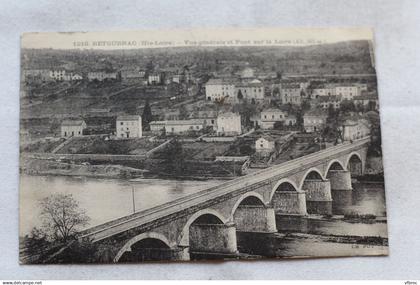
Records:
x=72, y=122
x=128, y=118
x=272, y=110
x=184, y=122
x=228, y=114
x=220, y=81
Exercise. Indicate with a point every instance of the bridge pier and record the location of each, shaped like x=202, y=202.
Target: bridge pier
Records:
x=289, y=203
x=341, y=190
x=255, y=218
x=318, y=196
x=213, y=238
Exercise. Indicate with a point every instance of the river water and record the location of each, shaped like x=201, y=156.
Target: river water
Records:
x=103, y=199
x=108, y=199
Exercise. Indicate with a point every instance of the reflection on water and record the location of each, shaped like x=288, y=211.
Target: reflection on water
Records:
x=328, y=236
x=103, y=199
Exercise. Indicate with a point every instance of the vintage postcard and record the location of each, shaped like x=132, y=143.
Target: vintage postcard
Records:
x=186, y=145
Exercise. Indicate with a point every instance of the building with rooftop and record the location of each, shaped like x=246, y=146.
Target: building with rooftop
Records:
x=355, y=129
x=229, y=124
x=183, y=126
x=333, y=100
x=270, y=116
x=314, y=120
x=265, y=144
x=220, y=89
x=291, y=93
x=129, y=126
x=252, y=91
x=72, y=128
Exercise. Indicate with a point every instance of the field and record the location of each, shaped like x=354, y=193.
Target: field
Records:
x=98, y=145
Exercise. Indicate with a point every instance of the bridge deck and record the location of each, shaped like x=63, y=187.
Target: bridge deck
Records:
x=252, y=180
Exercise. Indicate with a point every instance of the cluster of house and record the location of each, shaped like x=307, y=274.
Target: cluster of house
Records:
x=127, y=126
x=351, y=128
x=51, y=75
x=125, y=74
x=130, y=126
x=246, y=86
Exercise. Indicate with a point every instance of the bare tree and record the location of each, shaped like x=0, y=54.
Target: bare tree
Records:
x=62, y=217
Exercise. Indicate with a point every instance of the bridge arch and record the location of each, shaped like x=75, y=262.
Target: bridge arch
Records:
x=245, y=196
x=312, y=173
x=282, y=182
x=185, y=234
x=353, y=167
x=138, y=238
x=334, y=164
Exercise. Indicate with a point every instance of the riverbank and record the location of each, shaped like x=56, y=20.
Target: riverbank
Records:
x=150, y=169
x=56, y=168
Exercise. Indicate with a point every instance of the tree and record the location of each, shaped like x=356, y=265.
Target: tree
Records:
x=147, y=116
x=279, y=125
x=305, y=105
x=175, y=158
x=183, y=112
x=347, y=106
x=61, y=217
x=240, y=96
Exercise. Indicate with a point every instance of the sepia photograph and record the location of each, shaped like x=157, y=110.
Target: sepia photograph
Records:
x=194, y=145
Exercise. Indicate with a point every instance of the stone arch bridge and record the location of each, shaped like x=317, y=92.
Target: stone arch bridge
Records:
x=207, y=221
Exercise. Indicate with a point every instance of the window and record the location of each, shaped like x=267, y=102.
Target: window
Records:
x=122, y=123
x=197, y=127
x=261, y=145
x=79, y=132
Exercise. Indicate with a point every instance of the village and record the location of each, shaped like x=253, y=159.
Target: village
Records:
x=197, y=121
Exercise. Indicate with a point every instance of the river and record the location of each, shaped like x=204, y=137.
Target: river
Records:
x=103, y=199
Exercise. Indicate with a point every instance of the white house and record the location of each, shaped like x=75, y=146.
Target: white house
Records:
x=129, y=126
x=220, y=89
x=291, y=93
x=353, y=130
x=72, y=77
x=270, y=116
x=183, y=126
x=290, y=120
x=265, y=144
x=250, y=90
x=229, y=124
x=347, y=91
x=157, y=126
x=102, y=75
x=248, y=72
x=58, y=74
x=314, y=120
x=154, y=79
x=72, y=128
